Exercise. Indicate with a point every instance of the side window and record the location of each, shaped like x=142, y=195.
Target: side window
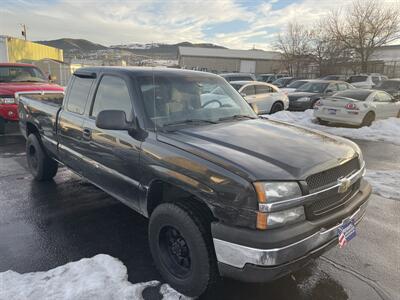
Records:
x=333, y=87
x=342, y=86
x=384, y=97
x=79, y=94
x=250, y=90
x=112, y=94
x=375, y=79
x=263, y=89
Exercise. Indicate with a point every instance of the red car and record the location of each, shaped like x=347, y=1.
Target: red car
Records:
x=14, y=78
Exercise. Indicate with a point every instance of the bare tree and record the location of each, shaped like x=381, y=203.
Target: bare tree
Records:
x=365, y=26
x=294, y=43
x=325, y=51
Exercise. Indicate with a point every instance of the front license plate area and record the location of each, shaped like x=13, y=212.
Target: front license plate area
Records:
x=346, y=232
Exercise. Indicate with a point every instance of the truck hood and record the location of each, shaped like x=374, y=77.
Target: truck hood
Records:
x=263, y=149
x=10, y=88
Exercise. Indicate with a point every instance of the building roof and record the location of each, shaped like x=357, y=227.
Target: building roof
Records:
x=229, y=53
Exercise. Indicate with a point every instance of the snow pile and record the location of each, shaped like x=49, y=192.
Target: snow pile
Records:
x=100, y=277
x=385, y=183
x=387, y=130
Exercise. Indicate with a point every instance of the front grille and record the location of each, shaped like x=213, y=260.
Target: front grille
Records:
x=328, y=177
x=332, y=200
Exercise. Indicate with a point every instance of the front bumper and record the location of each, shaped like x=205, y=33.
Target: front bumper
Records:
x=299, y=106
x=9, y=112
x=260, y=263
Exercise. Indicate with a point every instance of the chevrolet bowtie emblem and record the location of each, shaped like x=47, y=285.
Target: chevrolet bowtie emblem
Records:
x=344, y=184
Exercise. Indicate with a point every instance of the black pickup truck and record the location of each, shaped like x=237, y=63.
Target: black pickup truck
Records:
x=227, y=193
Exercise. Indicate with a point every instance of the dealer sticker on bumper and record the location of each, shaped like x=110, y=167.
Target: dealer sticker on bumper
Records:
x=346, y=232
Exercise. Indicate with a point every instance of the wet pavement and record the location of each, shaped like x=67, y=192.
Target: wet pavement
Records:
x=44, y=225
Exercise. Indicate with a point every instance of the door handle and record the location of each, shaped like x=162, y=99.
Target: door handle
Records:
x=87, y=133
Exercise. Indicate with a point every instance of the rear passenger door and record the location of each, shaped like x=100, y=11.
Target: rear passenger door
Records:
x=114, y=153
x=266, y=96
x=70, y=121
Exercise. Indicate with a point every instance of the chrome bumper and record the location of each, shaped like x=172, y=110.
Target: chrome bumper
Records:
x=237, y=255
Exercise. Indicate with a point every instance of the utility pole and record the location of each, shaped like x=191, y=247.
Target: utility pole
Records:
x=23, y=30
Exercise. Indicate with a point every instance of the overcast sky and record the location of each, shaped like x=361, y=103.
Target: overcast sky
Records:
x=232, y=23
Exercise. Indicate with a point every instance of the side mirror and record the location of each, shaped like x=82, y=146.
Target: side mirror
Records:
x=113, y=120
x=329, y=92
x=52, y=78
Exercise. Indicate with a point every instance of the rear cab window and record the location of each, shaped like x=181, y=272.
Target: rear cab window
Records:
x=78, y=94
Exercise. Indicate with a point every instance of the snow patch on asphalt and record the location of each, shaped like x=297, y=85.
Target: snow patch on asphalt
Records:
x=385, y=183
x=387, y=130
x=101, y=277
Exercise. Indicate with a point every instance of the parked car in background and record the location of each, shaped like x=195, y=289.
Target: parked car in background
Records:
x=366, y=81
x=391, y=86
x=308, y=94
x=293, y=86
x=269, y=78
x=283, y=82
x=356, y=107
x=334, y=77
x=238, y=76
x=263, y=97
x=227, y=193
x=17, y=78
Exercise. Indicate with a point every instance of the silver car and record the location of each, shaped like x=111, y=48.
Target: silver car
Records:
x=356, y=107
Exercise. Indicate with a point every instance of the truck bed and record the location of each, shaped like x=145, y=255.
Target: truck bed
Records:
x=41, y=110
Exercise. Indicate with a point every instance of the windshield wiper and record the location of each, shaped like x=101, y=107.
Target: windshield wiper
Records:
x=236, y=117
x=189, y=121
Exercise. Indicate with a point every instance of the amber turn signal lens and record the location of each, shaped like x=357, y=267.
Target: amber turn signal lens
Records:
x=261, y=220
x=260, y=190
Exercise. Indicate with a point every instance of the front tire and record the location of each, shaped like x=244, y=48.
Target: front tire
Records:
x=368, y=119
x=181, y=246
x=42, y=167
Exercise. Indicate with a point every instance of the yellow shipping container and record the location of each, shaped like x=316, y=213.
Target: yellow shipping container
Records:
x=21, y=50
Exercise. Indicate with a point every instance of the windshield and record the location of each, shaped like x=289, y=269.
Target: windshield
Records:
x=21, y=74
x=357, y=79
x=296, y=84
x=281, y=81
x=390, y=85
x=313, y=87
x=356, y=95
x=263, y=77
x=176, y=99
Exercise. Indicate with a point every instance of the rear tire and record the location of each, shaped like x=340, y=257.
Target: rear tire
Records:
x=368, y=119
x=2, y=126
x=277, y=106
x=42, y=167
x=182, y=249
x=322, y=122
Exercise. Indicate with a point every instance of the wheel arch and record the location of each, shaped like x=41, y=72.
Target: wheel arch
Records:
x=162, y=190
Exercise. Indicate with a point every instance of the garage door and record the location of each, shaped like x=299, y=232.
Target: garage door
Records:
x=247, y=66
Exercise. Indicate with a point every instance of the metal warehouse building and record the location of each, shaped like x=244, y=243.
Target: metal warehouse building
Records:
x=218, y=60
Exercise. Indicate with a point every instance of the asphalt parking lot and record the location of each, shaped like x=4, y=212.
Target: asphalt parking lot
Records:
x=45, y=225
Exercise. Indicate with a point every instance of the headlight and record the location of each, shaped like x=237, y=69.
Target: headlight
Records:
x=7, y=100
x=303, y=99
x=270, y=192
x=276, y=191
